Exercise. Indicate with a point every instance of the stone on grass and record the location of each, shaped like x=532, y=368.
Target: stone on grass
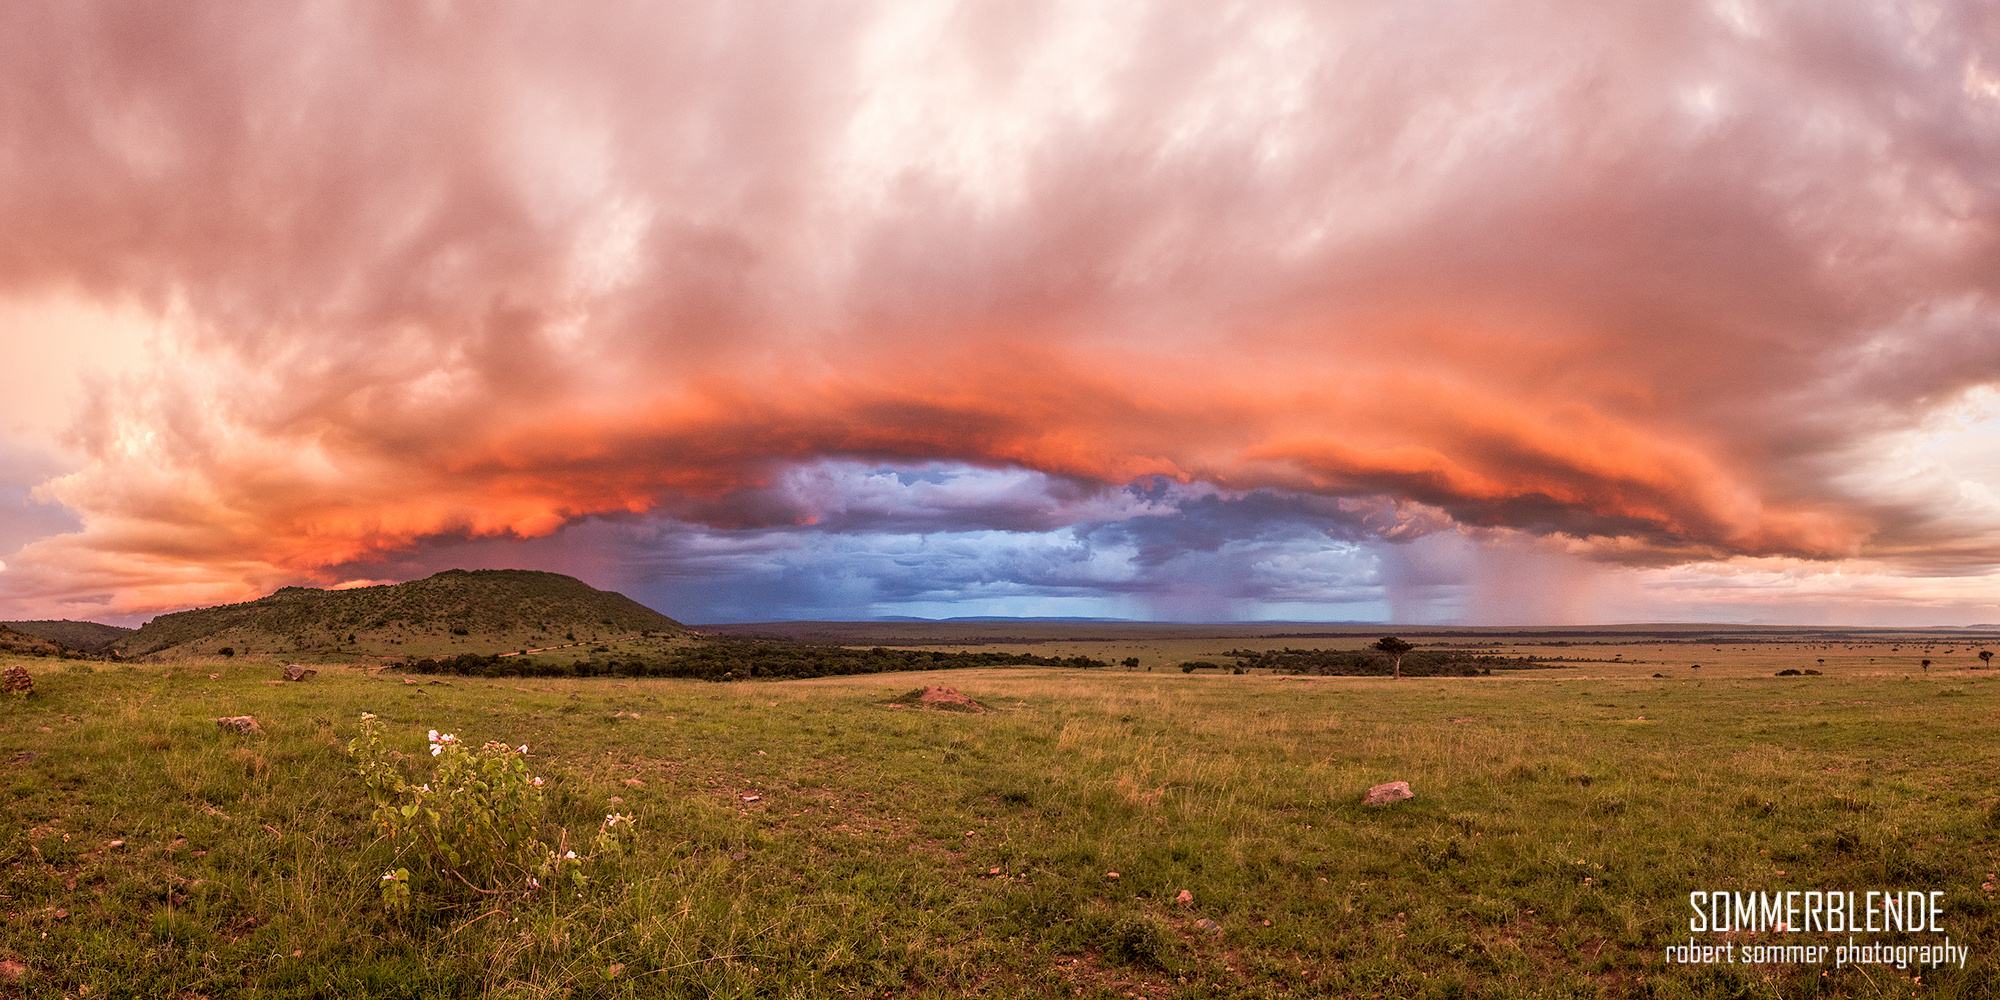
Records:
x=241, y=724
x=1382, y=795
x=16, y=680
x=1186, y=898
x=297, y=672
x=1210, y=926
x=940, y=698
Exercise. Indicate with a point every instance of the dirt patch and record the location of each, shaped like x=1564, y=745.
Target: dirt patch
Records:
x=939, y=698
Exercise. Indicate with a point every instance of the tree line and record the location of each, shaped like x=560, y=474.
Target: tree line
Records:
x=1372, y=662
x=735, y=660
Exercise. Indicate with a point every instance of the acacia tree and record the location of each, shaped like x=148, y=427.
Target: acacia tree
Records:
x=1986, y=657
x=1395, y=648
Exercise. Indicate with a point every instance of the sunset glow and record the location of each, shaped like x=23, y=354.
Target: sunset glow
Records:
x=1431, y=313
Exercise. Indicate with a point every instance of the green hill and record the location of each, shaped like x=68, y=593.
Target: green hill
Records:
x=456, y=611
x=91, y=637
x=20, y=643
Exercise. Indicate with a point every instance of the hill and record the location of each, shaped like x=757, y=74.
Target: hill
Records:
x=454, y=612
x=91, y=637
x=20, y=643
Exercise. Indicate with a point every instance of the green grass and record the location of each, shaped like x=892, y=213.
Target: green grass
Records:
x=1549, y=852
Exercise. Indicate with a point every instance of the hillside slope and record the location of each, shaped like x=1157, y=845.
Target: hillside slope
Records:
x=20, y=643
x=91, y=637
x=456, y=611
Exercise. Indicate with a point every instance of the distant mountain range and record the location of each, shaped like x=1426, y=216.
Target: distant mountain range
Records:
x=456, y=611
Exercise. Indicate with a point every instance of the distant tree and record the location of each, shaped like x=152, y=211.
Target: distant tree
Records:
x=1132, y=662
x=1927, y=666
x=231, y=651
x=1395, y=648
x=1986, y=657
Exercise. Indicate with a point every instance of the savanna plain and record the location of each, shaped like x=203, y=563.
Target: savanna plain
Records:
x=1131, y=831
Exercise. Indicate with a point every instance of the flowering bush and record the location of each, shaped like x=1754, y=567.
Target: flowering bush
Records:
x=475, y=826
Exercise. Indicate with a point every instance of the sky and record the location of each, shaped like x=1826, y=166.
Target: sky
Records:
x=1429, y=312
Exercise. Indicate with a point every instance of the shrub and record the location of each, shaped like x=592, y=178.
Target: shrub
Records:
x=475, y=829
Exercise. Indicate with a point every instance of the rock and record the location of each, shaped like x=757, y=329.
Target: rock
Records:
x=939, y=698
x=1382, y=795
x=296, y=672
x=411, y=681
x=13, y=971
x=1186, y=898
x=1210, y=926
x=753, y=798
x=635, y=783
x=241, y=724
x=26, y=757
x=15, y=680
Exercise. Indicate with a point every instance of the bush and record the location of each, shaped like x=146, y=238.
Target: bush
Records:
x=475, y=829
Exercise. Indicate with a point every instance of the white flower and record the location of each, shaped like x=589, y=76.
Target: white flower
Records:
x=524, y=748
x=537, y=782
x=426, y=788
x=434, y=736
x=435, y=749
x=534, y=883
x=571, y=856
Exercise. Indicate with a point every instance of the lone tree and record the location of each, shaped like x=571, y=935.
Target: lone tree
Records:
x=1395, y=648
x=1986, y=657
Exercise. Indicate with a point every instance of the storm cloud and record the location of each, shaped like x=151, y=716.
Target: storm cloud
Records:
x=1552, y=285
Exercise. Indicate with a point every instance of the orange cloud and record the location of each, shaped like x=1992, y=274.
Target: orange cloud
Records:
x=489, y=271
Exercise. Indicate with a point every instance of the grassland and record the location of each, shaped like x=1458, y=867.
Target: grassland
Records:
x=1561, y=818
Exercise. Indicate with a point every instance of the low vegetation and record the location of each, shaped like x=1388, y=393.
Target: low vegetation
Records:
x=1109, y=832
x=730, y=660
x=1371, y=662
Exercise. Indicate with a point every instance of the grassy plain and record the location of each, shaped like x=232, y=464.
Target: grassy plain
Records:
x=1561, y=818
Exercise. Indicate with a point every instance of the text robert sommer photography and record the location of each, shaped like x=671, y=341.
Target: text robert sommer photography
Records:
x=1858, y=915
